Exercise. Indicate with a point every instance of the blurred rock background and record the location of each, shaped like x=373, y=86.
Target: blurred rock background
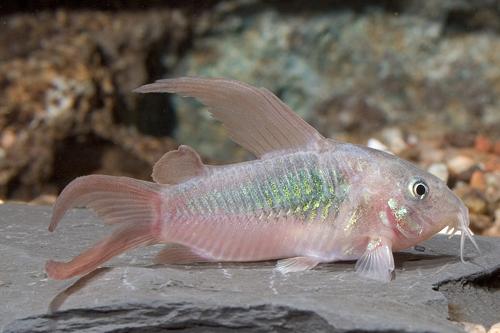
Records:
x=418, y=78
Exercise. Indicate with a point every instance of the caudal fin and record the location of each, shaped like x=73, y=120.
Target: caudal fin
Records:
x=133, y=204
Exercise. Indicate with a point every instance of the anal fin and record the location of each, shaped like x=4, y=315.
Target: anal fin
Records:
x=296, y=264
x=377, y=262
x=122, y=239
x=177, y=254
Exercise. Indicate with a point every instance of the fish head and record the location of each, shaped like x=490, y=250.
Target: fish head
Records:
x=418, y=204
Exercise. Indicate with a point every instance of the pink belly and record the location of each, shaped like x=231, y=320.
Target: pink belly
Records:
x=243, y=239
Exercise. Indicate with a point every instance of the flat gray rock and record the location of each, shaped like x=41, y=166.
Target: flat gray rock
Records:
x=431, y=287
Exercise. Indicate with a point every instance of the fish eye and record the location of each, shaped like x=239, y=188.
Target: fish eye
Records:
x=419, y=189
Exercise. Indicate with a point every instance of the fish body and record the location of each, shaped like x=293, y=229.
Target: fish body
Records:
x=278, y=207
x=306, y=200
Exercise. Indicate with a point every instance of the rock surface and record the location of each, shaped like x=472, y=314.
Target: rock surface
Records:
x=132, y=295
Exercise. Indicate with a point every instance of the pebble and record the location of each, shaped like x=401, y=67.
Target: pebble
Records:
x=493, y=179
x=377, y=144
x=493, y=231
x=44, y=199
x=459, y=139
x=412, y=139
x=432, y=155
x=483, y=144
x=496, y=148
x=439, y=170
x=8, y=138
x=477, y=180
x=495, y=328
x=475, y=202
x=460, y=164
x=395, y=140
x=473, y=328
x=492, y=163
x=480, y=222
x=492, y=191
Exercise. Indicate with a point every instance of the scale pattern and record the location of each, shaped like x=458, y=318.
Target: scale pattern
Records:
x=297, y=185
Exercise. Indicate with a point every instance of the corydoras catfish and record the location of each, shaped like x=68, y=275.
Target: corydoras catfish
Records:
x=306, y=199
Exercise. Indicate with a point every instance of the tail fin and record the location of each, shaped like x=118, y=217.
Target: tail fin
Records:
x=134, y=204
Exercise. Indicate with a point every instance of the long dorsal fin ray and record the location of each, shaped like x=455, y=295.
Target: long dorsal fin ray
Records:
x=254, y=117
x=177, y=166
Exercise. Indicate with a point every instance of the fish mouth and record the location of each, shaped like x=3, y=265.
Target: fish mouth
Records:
x=461, y=224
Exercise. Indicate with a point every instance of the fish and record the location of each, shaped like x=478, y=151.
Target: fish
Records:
x=304, y=200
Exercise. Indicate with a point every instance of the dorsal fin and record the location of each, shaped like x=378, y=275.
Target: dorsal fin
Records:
x=254, y=117
x=177, y=166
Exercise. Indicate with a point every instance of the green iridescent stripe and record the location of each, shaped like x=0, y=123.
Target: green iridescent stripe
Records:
x=307, y=193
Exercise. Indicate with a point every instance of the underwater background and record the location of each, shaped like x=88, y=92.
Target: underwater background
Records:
x=418, y=78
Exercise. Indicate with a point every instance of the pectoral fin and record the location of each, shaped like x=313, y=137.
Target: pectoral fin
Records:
x=377, y=262
x=296, y=264
x=254, y=117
